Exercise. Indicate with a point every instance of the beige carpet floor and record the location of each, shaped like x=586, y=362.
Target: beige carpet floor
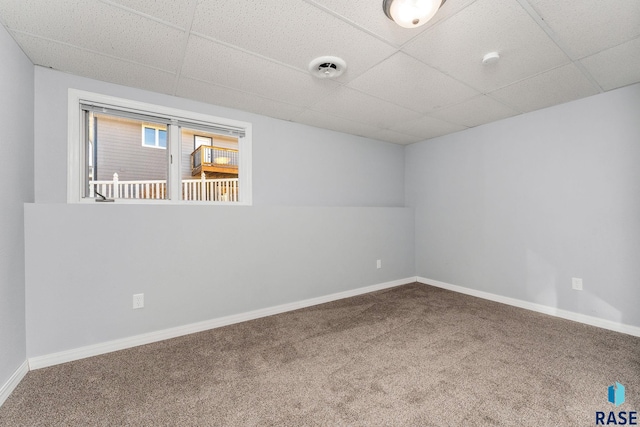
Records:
x=414, y=355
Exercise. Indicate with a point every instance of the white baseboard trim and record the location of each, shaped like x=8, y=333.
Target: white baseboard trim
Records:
x=553, y=311
x=8, y=387
x=124, y=343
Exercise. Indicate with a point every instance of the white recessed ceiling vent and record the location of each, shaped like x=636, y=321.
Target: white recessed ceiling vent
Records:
x=327, y=67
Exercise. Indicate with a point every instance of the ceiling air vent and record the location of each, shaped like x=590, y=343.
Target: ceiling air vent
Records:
x=327, y=67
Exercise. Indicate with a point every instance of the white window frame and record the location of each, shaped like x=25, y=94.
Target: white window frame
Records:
x=157, y=139
x=76, y=149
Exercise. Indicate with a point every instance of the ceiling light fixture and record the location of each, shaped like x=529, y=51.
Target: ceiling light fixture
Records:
x=411, y=13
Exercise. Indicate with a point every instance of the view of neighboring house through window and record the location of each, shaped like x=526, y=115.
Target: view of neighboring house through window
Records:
x=134, y=154
x=212, y=163
x=121, y=167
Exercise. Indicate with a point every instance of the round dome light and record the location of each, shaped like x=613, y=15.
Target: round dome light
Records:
x=411, y=13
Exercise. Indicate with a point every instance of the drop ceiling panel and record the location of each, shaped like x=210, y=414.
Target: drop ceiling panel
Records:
x=552, y=87
x=457, y=45
x=475, y=112
x=176, y=13
x=410, y=83
x=84, y=63
x=615, y=67
x=339, y=124
x=400, y=84
x=394, y=137
x=363, y=108
x=225, y=66
x=589, y=26
x=368, y=14
x=290, y=31
x=427, y=127
x=226, y=97
x=99, y=27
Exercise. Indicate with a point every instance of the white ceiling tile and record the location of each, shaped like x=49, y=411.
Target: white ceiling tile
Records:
x=553, y=87
x=176, y=13
x=339, y=124
x=290, y=31
x=359, y=107
x=589, y=26
x=225, y=97
x=100, y=27
x=475, y=112
x=410, y=83
x=85, y=63
x=615, y=67
x=328, y=121
x=457, y=45
x=216, y=63
x=427, y=127
x=394, y=137
x=369, y=15
x=253, y=56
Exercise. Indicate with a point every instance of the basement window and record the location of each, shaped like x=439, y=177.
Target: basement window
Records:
x=198, y=158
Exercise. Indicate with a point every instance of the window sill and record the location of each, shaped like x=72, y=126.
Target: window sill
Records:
x=87, y=201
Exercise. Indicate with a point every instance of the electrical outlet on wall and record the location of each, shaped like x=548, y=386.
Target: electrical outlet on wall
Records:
x=379, y=263
x=576, y=283
x=138, y=301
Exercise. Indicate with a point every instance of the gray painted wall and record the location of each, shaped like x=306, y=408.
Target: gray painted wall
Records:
x=293, y=164
x=519, y=207
x=194, y=263
x=16, y=176
x=326, y=206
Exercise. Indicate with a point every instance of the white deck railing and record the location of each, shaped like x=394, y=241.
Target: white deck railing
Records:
x=211, y=190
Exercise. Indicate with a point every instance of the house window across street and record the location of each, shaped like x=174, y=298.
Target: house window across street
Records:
x=154, y=137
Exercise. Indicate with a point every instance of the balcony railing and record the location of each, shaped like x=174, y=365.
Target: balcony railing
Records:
x=207, y=158
x=203, y=189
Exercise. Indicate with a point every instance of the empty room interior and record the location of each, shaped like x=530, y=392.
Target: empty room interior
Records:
x=320, y=212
